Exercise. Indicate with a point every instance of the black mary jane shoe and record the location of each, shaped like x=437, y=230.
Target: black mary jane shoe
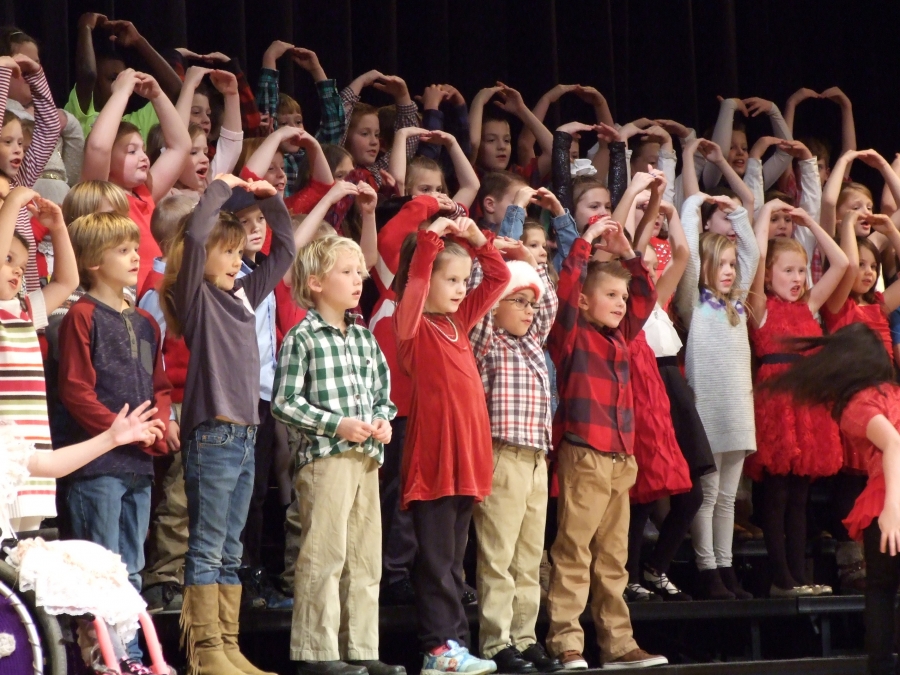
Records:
x=545, y=663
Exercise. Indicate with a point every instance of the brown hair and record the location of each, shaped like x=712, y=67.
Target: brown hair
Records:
x=167, y=217
x=94, y=234
x=712, y=247
x=155, y=142
x=12, y=38
x=869, y=296
x=707, y=209
x=126, y=129
x=496, y=184
x=596, y=270
x=249, y=146
x=532, y=225
x=287, y=106
x=417, y=164
x=408, y=248
x=360, y=110
x=85, y=197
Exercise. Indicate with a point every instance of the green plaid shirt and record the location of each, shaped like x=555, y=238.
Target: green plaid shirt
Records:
x=324, y=376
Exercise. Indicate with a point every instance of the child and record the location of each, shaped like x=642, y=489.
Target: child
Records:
x=22, y=380
x=865, y=399
x=167, y=543
x=203, y=300
x=710, y=302
x=508, y=348
x=114, y=151
x=447, y=458
x=422, y=175
x=332, y=386
x=795, y=444
x=848, y=126
x=501, y=199
x=602, y=308
x=110, y=355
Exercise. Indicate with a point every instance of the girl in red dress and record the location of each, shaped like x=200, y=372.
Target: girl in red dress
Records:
x=448, y=455
x=866, y=400
x=795, y=444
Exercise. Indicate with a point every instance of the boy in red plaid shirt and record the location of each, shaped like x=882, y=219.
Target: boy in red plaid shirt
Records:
x=603, y=306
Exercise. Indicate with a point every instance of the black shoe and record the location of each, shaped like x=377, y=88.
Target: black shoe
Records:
x=165, y=596
x=730, y=580
x=710, y=586
x=537, y=655
x=509, y=660
x=398, y=593
x=469, y=596
x=250, y=597
x=379, y=668
x=328, y=668
x=264, y=590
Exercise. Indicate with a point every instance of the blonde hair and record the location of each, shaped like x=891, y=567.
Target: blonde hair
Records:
x=94, y=234
x=317, y=259
x=712, y=247
x=408, y=249
x=779, y=245
x=848, y=188
x=417, y=164
x=167, y=217
x=325, y=228
x=249, y=146
x=86, y=197
x=227, y=233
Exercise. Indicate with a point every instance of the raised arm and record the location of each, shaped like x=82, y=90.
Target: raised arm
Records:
x=776, y=165
x=526, y=137
x=46, y=122
x=756, y=299
x=99, y=143
x=885, y=225
x=398, y=161
x=126, y=35
x=838, y=263
x=848, y=126
x=192, y=79
x=850, y=248
x=832, y=191
x=408, y=315
x=722, y=136
x=747, y=250
x=85, y=60
x=476, y=116
x=667, y=284
x=65, y=269
x=366, y=201
x=689, y=288
x=165, y=171
x=793, y=101
x=639, y=182
x=511, y=101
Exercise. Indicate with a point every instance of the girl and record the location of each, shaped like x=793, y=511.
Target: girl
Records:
x=422, y=176
x=670, y=445
x=447, y=460
x=18, y=166
x=22, y=384
x=202, y=300
x=710, y=302
x=114, y=151
x=795, y=444
x=713, y=218
x=865, y=399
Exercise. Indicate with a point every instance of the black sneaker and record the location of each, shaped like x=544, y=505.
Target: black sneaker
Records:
x=545, y=663
x=250, y=597
x=134, y=667
x=166, y=596
x=271, y=596
x=509, y=660
x=469, y=597
x=398, y=594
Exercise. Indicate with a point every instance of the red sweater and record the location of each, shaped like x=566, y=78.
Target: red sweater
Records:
x=448, y=436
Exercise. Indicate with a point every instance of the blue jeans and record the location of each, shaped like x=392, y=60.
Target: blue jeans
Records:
x=219, y=468
x=114, y=511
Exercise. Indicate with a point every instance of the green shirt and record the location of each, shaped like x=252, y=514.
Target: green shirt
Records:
x=325, y=375
x=143, y=118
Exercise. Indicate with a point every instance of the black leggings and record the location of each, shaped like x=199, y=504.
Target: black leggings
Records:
x=683, y=508
x=783, y=521
x=882, y=580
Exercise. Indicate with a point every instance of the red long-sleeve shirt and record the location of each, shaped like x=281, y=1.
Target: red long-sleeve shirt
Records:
x=593, y=375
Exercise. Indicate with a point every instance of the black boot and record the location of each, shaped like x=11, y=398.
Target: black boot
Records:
x=328, y=668
x=710, y=586
x=729, y=578
x=379, y=668
x=509, y=660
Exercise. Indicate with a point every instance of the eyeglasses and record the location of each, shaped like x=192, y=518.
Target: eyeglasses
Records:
x=522, y=303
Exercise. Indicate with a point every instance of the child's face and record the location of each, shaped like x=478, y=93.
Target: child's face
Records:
x=726, y=273
x=294, y=120
x=868, y=272
x=652, y=262
x=737, y=153
x=594, y=202
x=344, y=167
x=119, y=265
x=604, y=304
x=18, y=87
x=786, y=278
x=275, y=173
x=426, y=182
x=223, y=262
x=197, y=169
x=648, y=154
x=129, y=165
x=781, y=224
x=107, y=71
x=448, y=283
x=363, y=142
x=859, y=202
x=254, y=223
x=515, y=312
x=536, y=241
x=341, y=288
x=12, y=270
x=496, y=145
x=718, y=222
x=824, y=169
x=642, y=202
x=201, y=113
x=12, y=148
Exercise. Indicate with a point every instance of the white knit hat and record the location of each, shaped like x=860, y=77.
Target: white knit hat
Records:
x=522, y=275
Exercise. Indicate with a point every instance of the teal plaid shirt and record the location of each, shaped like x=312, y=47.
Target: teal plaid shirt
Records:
x=324, y=376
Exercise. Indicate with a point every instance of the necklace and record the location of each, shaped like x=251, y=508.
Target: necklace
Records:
x=441, y=330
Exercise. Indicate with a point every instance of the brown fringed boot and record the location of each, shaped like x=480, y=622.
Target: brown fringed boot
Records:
x=200, y=632
x=229, y=614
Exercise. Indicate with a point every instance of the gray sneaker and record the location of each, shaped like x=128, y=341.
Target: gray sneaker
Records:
x=166, y=596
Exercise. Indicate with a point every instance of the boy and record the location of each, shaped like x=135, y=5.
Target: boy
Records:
x=167, y=542
x=110, y=355
x=508, y=348
x=332, y=387
x=603, y=306
x=259, y=590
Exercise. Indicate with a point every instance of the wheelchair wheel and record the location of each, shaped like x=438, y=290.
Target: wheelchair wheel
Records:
x=39, y=643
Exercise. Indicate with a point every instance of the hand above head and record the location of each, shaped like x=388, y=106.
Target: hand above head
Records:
x=795, y=149
x=123, y=33
x=468, y=229
x=194, y=75
x=433, y=96
x=224, y=82
x=341, y=189
x=836, y=95
x=762, y=144
x=547, y=200
x=589, y=95
x=455, y=98
x=215, y=57
x=872, y=158
x=725, y=203
x=608, y=133
x=513, y=249
x=445, y=203
x=275, y=51
x=261, y=189
x=147, y=86
x=10, y=62
x=393, y=85
x=882, y=224
x=47, y=213
x=510, y=100
x=91, y=20
x=802, y=94
x=27, y=65
x=232, y=181
x=575, y=129
x=367, y=198
x=740, y=106
x=523, y=196
x=559, y=91
x=710, y=151
x=597, y=227
x=758, y=106
x=126, y=80
x=673, y=127
x=800, y=216
x=443, y=226
x=615, y=242
x=308, y=60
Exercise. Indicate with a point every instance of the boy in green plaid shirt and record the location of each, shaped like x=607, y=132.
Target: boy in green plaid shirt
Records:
x=332, y=389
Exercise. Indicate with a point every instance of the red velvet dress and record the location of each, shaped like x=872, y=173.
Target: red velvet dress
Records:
x=790, y=438
x=881, y=400
x=662, y=469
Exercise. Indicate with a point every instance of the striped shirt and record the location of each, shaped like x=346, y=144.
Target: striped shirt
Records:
x=23, y=396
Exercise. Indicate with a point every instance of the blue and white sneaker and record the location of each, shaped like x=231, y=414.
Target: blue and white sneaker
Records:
x=456, y=659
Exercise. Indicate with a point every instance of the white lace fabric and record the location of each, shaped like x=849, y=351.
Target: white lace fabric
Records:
x=14, y=455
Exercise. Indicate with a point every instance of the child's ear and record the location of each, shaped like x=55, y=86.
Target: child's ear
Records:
x=314, y=284
x=489, y=204
x=582, y=301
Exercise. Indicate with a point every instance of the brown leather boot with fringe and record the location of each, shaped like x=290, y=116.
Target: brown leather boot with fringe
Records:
x=229, y=614
x=200, y=632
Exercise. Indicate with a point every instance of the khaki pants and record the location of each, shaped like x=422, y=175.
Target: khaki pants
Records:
x=168, y=540
x=590, y=551
x=510, y=524
x=338, y=569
